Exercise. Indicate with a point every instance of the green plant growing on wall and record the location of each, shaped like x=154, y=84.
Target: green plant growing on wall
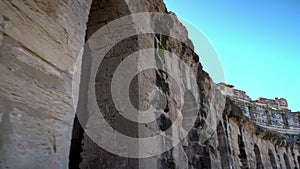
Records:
x=162, y=46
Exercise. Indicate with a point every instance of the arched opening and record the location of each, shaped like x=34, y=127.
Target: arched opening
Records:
x=242, y=155
x=259, y=164
x=87, y=154
x=223, y=147
x=285, y=121
x=84, y=153
x=272, y=160
x=287, y=162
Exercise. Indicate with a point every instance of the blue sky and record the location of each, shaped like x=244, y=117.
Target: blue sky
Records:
x=257, y=42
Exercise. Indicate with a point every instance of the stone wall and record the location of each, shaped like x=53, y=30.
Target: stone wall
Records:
x=270, y=143
x=145, y=82
x=270, y=113
x=40, y=43
x=279, y=103
x=42, y=63
x=229, y=90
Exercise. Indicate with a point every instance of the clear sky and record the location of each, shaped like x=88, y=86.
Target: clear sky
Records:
x=257, y=42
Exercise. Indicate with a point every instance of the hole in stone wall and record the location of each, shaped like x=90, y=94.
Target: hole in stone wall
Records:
x=259, y=164
x=163, y=122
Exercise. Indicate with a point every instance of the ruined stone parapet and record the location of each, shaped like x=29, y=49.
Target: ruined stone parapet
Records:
x=253, y=145
x=269, y=113
x=279, y=103
x=229, y=90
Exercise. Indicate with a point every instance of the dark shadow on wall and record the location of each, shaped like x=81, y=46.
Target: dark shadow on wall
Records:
x=76, y=145
x=223, y=147
x=272, y=160
x=286, y=160
x=299, y=161
x=242, y=155
x=81, y=112
x=84, y=152
x=259, y=164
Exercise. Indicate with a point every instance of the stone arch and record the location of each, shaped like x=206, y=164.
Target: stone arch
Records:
x=272, y=160
x=287, y=162
x=259, y=164
x=243, y=154
x=101, y=12
x=223, y=147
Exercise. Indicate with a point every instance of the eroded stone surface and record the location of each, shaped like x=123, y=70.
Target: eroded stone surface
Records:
x=40, y=43
x=40, y=49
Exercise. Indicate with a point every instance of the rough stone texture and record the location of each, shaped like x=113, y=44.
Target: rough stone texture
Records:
x=42, y=64
x=269, y=113
x=266, y=123
x=266, y=140
x=40, y=42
